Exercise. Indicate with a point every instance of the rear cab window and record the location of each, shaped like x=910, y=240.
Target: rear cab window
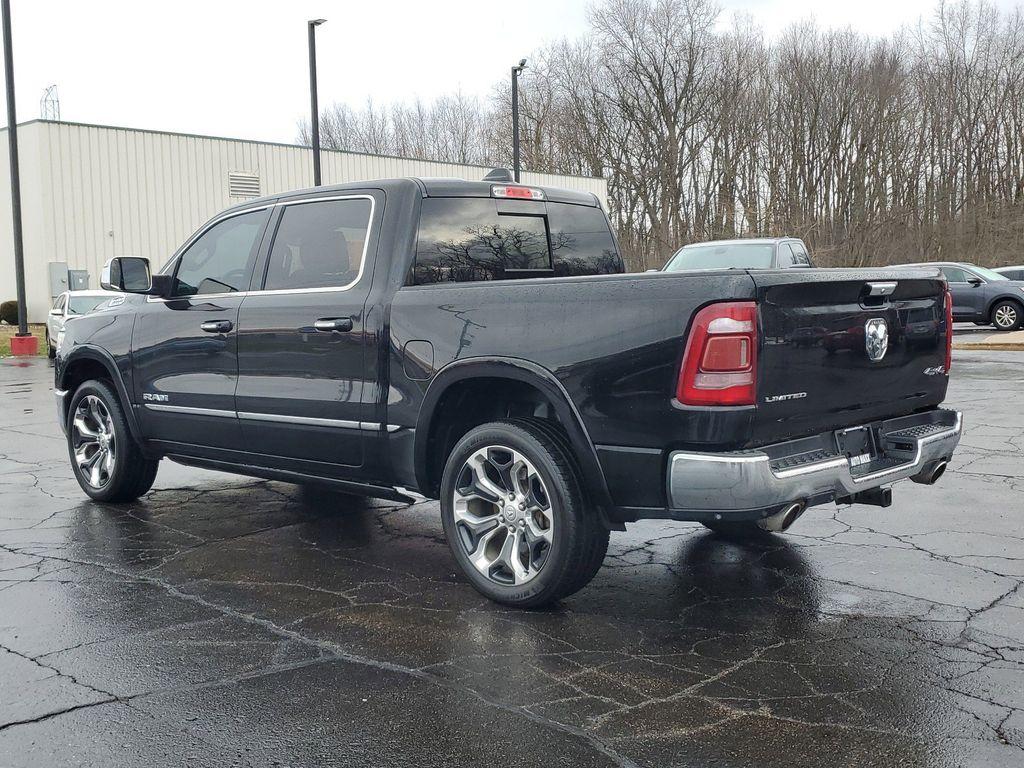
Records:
x=477, y=239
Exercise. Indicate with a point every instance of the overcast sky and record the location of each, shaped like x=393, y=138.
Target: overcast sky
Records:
x=239, y=69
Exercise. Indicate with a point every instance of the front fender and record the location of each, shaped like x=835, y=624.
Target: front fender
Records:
x=65, y=379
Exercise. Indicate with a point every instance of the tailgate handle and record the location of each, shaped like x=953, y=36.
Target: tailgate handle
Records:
x=882, y=289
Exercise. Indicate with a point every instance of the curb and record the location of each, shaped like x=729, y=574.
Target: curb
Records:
x=1008, y=346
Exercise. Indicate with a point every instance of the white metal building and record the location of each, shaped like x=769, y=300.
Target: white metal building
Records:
x=90, y=192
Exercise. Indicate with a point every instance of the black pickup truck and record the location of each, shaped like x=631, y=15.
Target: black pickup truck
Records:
x=479, y=343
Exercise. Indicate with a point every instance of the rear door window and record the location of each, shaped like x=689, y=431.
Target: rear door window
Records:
x=954, y=274
x=786, y=258
x=319, y=244
x=800, y=255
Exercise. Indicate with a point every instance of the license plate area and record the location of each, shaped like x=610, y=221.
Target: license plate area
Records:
x=859, y=446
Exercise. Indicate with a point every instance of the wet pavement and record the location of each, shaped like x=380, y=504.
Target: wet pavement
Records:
x=228, y=621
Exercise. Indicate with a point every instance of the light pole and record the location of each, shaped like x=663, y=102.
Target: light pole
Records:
x=23, y=343
x=314, y=115
x=516, y=71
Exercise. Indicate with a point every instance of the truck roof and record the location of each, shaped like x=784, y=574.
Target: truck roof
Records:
x=430, y=187
x=740, y=241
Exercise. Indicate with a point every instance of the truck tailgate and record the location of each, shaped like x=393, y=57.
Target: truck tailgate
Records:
x=824, y=365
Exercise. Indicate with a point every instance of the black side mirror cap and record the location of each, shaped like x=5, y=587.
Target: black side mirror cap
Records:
x=975, y=281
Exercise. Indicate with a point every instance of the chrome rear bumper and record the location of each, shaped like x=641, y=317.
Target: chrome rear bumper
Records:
x=759, y=480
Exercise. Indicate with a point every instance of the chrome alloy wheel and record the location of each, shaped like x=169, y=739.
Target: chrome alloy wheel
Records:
x=503, y=516
x=1006, y=316
x=92, y=436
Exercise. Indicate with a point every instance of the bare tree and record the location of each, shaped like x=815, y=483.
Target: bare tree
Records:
x=875, y=150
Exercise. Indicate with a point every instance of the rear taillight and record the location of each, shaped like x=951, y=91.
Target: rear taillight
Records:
x=720, y=362
x=949, y=329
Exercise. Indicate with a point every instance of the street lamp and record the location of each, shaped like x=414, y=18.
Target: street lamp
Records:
x=23, y=343
x=314, y=119
x=516, y=71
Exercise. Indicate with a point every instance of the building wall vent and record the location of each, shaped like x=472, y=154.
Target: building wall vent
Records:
x=243, y=184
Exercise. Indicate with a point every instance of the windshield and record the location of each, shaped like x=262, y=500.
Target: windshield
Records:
x=722, y=256
x=80, y=305
x=988, y=274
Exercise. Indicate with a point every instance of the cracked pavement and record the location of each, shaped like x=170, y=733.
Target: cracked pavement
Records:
x=227, y=621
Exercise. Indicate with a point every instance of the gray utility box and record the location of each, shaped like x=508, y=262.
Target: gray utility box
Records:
x=58, y=271
x=78, y=279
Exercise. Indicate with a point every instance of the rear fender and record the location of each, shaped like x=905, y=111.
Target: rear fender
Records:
x=518, y=370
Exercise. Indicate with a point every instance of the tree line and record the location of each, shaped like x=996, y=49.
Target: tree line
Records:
x=873, y=150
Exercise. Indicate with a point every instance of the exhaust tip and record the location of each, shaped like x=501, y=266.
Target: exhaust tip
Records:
x=791, y=513
x=784, y=518
x=930, y=474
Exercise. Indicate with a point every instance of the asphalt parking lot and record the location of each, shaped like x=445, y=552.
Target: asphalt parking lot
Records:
x=228, y=621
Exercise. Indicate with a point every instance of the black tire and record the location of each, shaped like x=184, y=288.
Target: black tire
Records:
x=1007, y=315
x=132, y=474
x=598, y=545
x=50, y=351
x=579, y=539
x=739, y=530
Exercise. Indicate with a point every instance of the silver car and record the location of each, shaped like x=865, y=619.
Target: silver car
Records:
x=69, y=304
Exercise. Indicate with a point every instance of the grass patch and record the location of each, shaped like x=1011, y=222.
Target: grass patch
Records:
x=7, y=331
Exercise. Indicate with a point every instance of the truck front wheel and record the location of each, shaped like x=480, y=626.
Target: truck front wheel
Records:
x=515, y=514
x=108, y=463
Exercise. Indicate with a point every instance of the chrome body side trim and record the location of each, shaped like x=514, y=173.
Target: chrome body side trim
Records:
x=365, y=426
x=745, y=481
x=192, y=410
x=308, y=420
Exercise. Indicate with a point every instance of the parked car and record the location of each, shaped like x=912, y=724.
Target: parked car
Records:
x=480, y=344
x=982, y=296
x=751, y=253
x=1011, y=273
x=69, y=304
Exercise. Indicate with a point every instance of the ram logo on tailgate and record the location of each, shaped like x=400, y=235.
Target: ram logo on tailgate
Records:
x=876, y=338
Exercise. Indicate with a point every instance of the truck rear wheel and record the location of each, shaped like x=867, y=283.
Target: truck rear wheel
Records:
x=107, y=462
x=515, y=514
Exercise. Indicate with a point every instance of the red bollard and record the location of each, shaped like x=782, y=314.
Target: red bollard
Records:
x=25, y=345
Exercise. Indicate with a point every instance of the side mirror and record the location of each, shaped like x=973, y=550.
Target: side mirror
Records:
x=128, y=274
x=975, y=281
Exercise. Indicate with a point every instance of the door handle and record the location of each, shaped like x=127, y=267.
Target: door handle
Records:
x=333, y=324
x=217, y=326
